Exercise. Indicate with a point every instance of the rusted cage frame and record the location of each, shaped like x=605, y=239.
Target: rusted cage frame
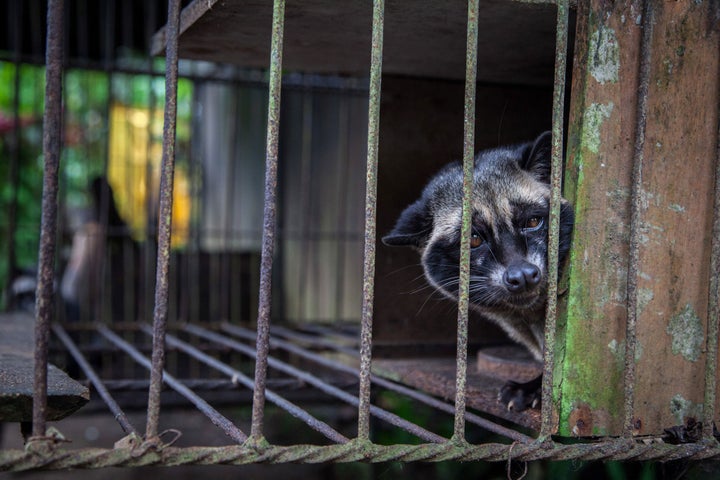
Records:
x=43, y=452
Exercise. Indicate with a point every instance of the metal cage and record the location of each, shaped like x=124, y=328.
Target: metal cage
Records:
x=45, y=450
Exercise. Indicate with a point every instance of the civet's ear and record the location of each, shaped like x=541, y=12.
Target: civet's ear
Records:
x=412, y=228
x=536, y=157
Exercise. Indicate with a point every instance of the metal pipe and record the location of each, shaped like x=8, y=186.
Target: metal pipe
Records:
x=52, y=129
x=98, y=384
x=466, y=230
x=215, y=417
x=164, y=223
x=317, y=383
x=370, y=219
x=269, y=223
x=635, y=217
x=547, y=425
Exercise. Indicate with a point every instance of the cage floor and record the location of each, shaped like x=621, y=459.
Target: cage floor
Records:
x=484, y=379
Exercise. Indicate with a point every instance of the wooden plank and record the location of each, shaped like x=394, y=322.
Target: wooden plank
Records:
x=65, y=395
x=424, y=38
x=676, y=193
x=678, y=183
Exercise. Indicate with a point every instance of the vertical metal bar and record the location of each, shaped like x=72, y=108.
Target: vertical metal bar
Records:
x=52, y=128
x=269, y=223
x=306, y=208
x=713, y=308
x=36, y=28
x=635, y=216
x=148, y=263
x=164, y=222
x=370, y=219
x=561, y=47
x=466, y=230
x=342, y=199
x=101, y=306
x=13, y=177
x=227, y=276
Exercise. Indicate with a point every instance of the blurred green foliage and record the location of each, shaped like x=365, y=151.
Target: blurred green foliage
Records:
x=87, y=99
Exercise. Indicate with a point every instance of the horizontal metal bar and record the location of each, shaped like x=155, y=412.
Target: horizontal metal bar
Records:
x=311, y=339
x=208, y=385
x=216, y=417
x=379, y=381
x=238, y=377
x=318, y=383
x=95, y=380
x=216, y=73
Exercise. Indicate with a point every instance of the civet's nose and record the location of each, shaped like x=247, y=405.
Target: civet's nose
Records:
x=521, y=277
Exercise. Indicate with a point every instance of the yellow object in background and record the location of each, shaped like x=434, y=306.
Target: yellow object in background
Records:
x=134, y=172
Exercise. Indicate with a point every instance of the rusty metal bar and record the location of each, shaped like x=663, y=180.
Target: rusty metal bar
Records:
x=52, y=130
x=238, y=377
x=164, y=223
x=635, y=217
x=382, y=382
x=306, y=207
x=466, y=230
x=304, y=338
x=547, y=425
x=248, y=78
x=713, y=328
x=202, y=384
x=370, y=219
x=317, y=383
x=98, y=384
x=215, y=417
x=13, y=174
x=269, y=222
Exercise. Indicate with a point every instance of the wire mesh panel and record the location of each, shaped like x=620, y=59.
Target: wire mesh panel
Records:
x=205, y=345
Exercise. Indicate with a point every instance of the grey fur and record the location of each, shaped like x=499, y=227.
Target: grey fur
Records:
x=511, y=195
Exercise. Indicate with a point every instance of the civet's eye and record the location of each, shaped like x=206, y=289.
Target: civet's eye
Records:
x=476, y=240
x=533, y=223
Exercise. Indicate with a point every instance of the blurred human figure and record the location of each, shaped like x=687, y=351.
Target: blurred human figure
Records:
x=83, y=278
